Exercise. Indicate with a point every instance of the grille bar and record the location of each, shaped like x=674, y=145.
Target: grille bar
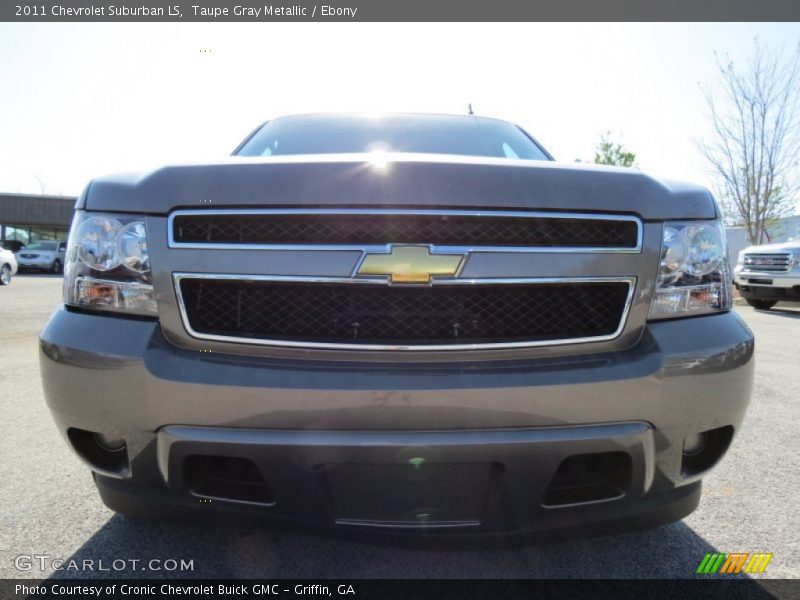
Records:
x=775, y=263
x=360, y=229
x=343, y=313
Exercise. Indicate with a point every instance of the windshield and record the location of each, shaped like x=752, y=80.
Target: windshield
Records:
x=47, y=246
x=435, y=134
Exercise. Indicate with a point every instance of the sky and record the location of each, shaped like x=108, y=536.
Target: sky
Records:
x=79, y=101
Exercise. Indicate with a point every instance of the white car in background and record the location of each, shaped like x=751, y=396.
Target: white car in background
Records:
x=8, y=266
x=767, y=274
x=45, y=256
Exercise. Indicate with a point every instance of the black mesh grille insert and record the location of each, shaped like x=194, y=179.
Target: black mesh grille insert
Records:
x=439, y=314
x=405, y=229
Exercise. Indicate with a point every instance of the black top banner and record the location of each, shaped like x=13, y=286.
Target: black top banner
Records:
x=398, y=10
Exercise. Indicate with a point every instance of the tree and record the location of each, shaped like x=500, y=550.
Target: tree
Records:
x=42, y=186
x=609, y=153
x=754, y=142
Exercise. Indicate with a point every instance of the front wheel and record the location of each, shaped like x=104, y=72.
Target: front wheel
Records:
x=761, y=304
x=5, y=275
x=57, y=266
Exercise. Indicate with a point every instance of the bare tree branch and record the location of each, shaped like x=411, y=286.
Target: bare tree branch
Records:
x=754, y=142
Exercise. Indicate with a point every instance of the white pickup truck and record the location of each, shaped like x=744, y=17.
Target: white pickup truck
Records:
x=768, y=274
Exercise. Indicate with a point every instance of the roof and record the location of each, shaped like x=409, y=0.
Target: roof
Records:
x=379, y=115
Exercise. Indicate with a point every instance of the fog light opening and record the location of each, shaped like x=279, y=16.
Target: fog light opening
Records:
x=703, y=450
x=694, y=444
x=109, y=443
x=105, y=454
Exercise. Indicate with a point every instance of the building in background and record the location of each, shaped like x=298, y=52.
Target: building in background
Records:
x=31, y=218
x=782, y=230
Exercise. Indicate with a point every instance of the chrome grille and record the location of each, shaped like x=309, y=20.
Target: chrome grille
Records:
x=360, y=228
x=368, y=315
x=768, y=263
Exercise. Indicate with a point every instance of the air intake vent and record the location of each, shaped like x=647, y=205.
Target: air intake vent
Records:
x=589, y=478
x=226, y=478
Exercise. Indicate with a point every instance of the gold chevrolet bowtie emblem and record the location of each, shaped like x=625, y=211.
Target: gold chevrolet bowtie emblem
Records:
x=410, y=264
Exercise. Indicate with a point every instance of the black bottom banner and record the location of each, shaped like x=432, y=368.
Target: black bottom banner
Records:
x=388, y=589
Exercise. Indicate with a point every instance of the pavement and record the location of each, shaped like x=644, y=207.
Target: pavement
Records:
x=49, y=505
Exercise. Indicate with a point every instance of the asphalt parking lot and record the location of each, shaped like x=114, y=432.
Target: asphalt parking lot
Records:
x=49, y=506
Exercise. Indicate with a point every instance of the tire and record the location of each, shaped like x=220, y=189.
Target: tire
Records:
x=5, y=274
x=57, y=266
x=761, y=304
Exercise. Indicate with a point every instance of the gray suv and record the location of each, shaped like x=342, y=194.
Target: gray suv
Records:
x=417, y=325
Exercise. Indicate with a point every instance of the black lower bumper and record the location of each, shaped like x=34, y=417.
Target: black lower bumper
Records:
x=761, y=292
x=651, y=511
x=517, y=484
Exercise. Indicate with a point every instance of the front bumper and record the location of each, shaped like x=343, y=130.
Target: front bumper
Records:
x=756, y=285
x=768, y=286
x=31, y=263
x=465, y=449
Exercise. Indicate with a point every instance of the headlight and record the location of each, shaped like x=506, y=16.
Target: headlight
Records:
x=97, y=243
x=705, y=249
x=673, y=253
x=108, y=266
x=132, y=247
x=694, y=276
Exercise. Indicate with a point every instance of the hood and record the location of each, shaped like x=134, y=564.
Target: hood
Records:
x=398, y=180
x=770, y=248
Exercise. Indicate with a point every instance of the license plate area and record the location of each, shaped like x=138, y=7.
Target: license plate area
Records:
x=410, y=495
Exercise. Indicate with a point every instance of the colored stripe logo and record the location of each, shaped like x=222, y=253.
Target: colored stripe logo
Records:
x=735, y=562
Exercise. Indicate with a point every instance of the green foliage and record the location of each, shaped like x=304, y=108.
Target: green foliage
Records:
x=609, y=153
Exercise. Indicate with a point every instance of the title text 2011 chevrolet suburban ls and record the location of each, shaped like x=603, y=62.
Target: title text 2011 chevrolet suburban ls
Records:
x=411, y=324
